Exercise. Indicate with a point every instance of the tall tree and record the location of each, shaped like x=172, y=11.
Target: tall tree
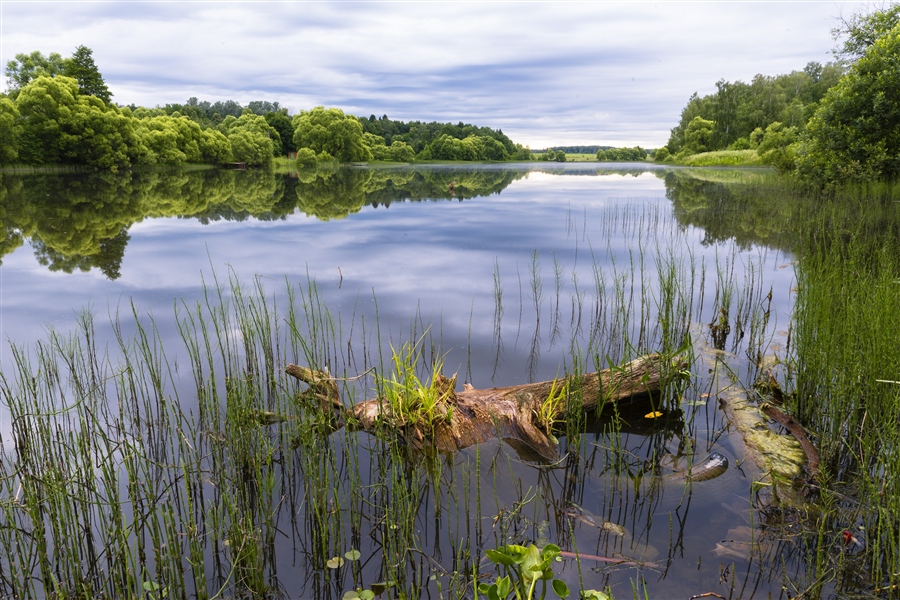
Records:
x=81, y=68
x=24, y=68
x=10, y=130
x=863, y=30
x=331, y=131
x=855, y=133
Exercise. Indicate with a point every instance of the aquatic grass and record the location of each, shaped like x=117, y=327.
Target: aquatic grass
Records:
x=205, y=458
x=410, y=401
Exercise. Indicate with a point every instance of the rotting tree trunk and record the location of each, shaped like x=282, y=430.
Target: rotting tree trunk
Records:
x=477, y=415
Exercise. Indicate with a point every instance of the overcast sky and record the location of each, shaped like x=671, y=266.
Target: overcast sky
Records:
x=546, y=73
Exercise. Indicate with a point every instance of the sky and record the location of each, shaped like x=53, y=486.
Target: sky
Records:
x=546, y=73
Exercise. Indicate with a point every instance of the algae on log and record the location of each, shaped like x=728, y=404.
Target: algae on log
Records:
x=473, y=416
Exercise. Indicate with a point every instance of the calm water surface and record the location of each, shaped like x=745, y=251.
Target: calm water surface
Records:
x=513, y=272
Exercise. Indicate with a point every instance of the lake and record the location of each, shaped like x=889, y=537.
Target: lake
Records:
x=506, y=274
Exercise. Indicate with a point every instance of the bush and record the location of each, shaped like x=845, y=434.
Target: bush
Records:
x=306, y=157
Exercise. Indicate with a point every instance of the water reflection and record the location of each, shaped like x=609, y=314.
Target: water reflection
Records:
x=510, y=288
x=77, y=222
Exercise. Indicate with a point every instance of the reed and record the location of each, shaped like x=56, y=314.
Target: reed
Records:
x=137, y=469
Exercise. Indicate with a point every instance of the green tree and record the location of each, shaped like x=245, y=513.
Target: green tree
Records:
x=332, y=132
x=25, y=68
x=252, y=139
x=697, y=136
x=10, y=130
x=59, y=125
x=81, y=67
x=281, y=122
x=97, y=134
x=306, y=157
x=41, y=104
x=402, y=152
x=855, y=133
x=862, y=31
x=377, y=146
x=778, y=147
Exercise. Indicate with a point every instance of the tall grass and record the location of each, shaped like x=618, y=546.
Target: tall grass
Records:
x=846, y=325
x=135, y=469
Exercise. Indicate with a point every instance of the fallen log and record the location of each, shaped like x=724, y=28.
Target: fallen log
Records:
x=799, y=433
x=519, y=414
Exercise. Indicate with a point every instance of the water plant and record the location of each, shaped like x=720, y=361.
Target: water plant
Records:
x=524, y=567
x=410, y=402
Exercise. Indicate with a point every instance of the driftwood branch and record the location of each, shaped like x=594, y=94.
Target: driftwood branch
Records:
x=473, y=416
x=796, y=429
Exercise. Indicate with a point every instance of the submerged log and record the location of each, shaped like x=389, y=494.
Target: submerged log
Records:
x=473, y=416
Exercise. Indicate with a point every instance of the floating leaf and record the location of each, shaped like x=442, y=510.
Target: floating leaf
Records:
x=380, y=588
x=560, y=588
x=352, y=554
x=335, y=563
x=653, y=415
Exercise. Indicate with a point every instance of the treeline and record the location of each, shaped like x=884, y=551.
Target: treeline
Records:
x=827, y=124
x=444, y=141
x=736, y=116
x=59, y=111
x=635, y=154
x=576, y=149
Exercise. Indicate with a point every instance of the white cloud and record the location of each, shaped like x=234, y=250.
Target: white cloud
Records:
x=546, y=73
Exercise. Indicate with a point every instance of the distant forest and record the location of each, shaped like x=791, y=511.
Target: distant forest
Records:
x=575, y=149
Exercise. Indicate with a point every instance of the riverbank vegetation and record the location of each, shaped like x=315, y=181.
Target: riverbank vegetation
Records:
x=59, y=112
x=826, y=124
x=220, y=458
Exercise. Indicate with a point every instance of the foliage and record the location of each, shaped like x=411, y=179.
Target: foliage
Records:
x=579, y=149
x=855, y=134
x=473, y=147
x=622, y=154
x=178, y=140
x=419, y=135
x=863, y=30
x=306, y=157
x=60, y=125
x=398, y=151
x=412, y=402
x=553, y=405
x=554, y=155
x=81, y=67
x=524, y=567
x=25, y=68
x=10, y=130
x=280, y=122
x=253, y=140
x=697, y=136
x=778, y=147
x=720, y=158
x=332, y=132
x=737, y=108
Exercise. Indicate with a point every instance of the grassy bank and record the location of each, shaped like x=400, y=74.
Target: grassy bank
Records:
x=722, y=158
x=846, y=325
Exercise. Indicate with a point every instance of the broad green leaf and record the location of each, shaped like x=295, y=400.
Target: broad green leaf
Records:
x=503, y=587
x=335, y=563
x=560, y=588
x=352, y=554
x=382, y=587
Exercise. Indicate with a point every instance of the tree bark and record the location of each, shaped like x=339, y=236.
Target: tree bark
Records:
x=472, y=416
